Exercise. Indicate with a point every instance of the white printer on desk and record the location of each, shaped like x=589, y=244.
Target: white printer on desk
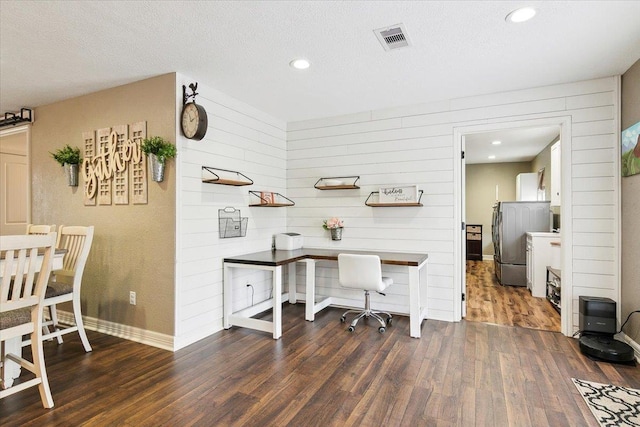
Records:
x=288, y=241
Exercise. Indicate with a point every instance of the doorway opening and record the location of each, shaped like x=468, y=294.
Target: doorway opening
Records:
x=494, y=161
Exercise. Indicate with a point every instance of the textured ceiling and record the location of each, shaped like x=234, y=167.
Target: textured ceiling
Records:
x=52, y=50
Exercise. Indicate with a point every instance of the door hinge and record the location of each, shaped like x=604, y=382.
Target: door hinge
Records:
x=464, y=297
x=462, y=154
x=463, y=227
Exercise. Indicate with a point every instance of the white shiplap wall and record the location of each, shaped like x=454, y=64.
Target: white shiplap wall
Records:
x=420, y=145
x=239, y=138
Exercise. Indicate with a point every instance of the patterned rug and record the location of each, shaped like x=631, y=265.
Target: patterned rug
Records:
x=611, y=405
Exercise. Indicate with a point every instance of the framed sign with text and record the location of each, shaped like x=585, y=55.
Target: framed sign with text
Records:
x=399, y=194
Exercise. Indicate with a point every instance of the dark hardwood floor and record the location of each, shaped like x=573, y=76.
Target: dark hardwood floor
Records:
x=488, y=301
x=317, y=374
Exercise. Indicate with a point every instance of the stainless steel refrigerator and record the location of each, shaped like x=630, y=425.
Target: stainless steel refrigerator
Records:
x=510, y=224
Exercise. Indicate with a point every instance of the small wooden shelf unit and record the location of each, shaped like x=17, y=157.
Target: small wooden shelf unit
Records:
x=390, y=205
x=225, y=177
x=474, y=242
x=274, y=200
x=353, y=183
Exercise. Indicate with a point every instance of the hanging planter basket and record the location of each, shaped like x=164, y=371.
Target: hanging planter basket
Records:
x=157, y=168
x=72, y=171
x=336, y=233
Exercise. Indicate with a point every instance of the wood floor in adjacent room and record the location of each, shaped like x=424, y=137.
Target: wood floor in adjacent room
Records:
x=488, y=301
x=317, y=374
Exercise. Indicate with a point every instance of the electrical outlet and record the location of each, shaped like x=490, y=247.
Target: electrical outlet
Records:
x=132, y=298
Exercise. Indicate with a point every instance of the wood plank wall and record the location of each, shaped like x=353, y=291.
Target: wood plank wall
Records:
x=239, y=138
x=407, y=145
x=416, y=145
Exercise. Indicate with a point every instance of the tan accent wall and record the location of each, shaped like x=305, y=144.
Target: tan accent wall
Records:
x=480, y=181
x=630, y=297
x=134, y=245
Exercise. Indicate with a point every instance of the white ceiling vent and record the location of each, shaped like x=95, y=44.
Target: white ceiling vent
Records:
x=393, y=37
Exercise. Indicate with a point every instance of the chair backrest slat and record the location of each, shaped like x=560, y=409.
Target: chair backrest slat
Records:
x=77, y=241
x=20, y=285
x=40, y=229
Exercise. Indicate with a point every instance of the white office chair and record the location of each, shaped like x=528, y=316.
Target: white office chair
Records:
x=22, y=290
x=363, y=272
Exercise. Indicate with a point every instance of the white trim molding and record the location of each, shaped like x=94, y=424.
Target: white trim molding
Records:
x=131, y=333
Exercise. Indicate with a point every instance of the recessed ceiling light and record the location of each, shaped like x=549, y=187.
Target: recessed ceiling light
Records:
x=521, y=15
x=496, y=142
x=300, y=64
x=492, y=157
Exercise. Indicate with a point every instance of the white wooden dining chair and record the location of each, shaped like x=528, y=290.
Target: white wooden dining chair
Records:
x=40, y=228
x=64, y=285
x=22, y=290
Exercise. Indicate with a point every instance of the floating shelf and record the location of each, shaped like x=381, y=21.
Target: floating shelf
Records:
x=270, y=199
x=225, y=177
x=390, y=205
x=338, y=183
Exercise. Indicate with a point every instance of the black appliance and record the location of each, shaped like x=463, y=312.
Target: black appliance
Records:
x=597, y=322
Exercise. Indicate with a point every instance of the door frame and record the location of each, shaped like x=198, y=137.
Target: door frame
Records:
x=26, y=129
x=459, y=271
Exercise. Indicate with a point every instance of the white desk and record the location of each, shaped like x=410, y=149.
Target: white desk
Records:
x=274, y=261
x=12, y=370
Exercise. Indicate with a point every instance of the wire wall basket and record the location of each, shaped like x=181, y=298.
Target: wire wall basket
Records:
x=231, y=224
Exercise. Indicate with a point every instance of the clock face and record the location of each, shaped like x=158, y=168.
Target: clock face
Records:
x=194, y=121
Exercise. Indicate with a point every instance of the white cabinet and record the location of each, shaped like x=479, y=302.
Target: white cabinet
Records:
x=538, y=258
x=556, y=174
x=526, y=187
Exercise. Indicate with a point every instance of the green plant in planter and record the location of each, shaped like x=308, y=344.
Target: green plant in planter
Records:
x=157, y=145
x=67, y=155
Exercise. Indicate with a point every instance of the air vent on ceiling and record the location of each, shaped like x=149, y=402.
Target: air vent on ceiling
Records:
x=393, y=37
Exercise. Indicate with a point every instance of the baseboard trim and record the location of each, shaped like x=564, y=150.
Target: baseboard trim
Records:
x=131, y=333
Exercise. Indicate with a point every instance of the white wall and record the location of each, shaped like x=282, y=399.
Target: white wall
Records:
x=419, y=145
x=410, y=145
x=239, y=138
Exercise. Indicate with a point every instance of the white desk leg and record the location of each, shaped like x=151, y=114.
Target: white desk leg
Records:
x=310, y=292
x=414, y=302
x=226, y=309
x=277, y=302
x=293, y=298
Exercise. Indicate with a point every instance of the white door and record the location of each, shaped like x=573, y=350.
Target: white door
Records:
x=14, y=182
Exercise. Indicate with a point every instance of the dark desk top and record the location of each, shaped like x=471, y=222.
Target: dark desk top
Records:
x=278, y=257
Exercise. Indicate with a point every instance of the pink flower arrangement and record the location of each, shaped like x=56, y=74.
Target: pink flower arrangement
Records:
x=332, y=223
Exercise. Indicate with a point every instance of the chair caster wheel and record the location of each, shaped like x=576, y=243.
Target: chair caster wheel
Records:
x=351, y=329
x=381, y=330
x=342, y=320
x=389, y=321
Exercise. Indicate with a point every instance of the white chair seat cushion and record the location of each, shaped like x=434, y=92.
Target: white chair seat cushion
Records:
x=55, y=289
x=13, y=318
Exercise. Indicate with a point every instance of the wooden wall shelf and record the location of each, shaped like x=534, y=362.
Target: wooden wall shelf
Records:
x=392, y=205
x=338, y=183
x=270, y=199
x=225, y=177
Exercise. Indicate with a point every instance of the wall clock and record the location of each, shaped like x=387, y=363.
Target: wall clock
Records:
x=194, y=121
x=194, y=117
